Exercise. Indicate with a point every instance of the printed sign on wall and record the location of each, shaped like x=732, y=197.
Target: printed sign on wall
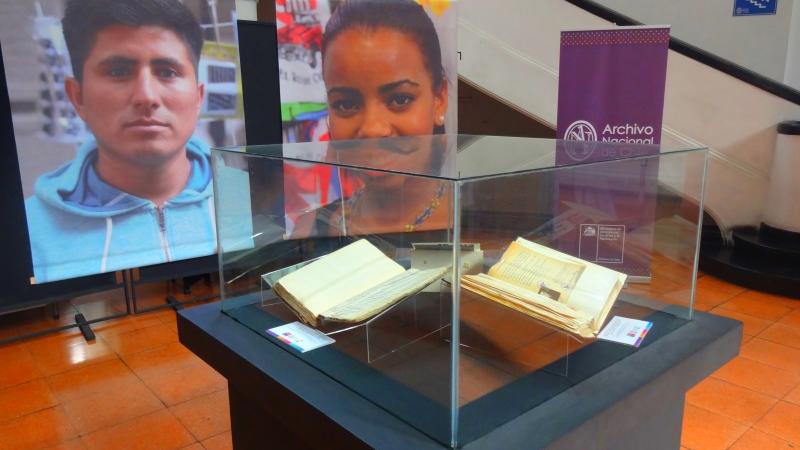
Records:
x=754, y=7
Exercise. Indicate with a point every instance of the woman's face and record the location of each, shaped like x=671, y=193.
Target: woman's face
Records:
x=378, y=86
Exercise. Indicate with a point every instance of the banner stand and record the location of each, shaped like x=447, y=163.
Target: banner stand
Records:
x=80, y=320
x=169, y=272
x=262, y=106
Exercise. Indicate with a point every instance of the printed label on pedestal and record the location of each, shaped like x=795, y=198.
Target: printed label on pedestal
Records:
x=625, y=331
x=300, y=337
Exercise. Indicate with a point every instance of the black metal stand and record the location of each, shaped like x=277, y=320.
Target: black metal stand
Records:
x=86, y=330
x=80, y=322
x=170, y=301
x=80, y=319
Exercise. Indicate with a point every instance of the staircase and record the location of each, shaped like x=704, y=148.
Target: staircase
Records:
x=762, y=258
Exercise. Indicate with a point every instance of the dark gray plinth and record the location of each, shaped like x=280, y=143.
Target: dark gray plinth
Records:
x=279, y=401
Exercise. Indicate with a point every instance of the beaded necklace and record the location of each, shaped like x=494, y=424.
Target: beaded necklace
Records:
x=349, y=205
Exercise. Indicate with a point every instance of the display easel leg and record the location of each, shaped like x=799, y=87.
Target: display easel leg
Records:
x=128, y=290
x=170, y=300
x=176, y=305
x=86, y=330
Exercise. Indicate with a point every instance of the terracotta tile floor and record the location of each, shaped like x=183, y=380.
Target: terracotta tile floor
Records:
x=136, y=387
x=753, y=402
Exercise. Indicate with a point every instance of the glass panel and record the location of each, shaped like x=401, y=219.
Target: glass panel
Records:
x=455, y=157
x=398, y=357
x=638, y=216
x=452, y=363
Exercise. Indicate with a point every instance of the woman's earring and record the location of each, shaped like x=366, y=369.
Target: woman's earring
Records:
x=440, y=120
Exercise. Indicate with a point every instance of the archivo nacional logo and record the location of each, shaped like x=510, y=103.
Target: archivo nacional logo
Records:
x=581, y=130
x=630, y=133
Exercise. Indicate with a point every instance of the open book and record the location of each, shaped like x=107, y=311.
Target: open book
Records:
x=561, y=290
x=351, y=284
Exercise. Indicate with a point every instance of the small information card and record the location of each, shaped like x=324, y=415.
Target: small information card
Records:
x=625, y=331
x=300, y=337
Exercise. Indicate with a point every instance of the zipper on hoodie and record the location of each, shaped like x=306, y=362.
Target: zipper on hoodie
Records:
x=162, y=230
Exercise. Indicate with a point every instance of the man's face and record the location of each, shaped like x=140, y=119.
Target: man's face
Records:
x=139, y=94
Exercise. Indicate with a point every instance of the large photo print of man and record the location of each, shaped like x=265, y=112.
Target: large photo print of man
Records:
x=138, y=190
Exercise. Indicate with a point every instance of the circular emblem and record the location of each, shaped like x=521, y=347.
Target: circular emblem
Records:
x=581, y=130
x=584, y=140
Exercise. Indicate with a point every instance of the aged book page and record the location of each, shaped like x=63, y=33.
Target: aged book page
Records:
x=372, y=301
x=351, y=284
x=335, y=278
x=530, y=303
x=557, y=288
x=529, y=269
x=597, y=288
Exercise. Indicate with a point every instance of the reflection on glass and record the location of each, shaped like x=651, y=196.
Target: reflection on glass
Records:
x=380, y=200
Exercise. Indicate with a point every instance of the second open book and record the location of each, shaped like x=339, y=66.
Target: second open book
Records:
x=561, y=290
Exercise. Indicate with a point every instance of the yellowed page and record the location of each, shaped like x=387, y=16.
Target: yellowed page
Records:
x=529, y=303
x=528, y=268
x=596, y=292
x=375, y=300
x=340, y=275
x=596, y=289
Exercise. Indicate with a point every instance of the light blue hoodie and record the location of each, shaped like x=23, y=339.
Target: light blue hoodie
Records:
x=80, y=225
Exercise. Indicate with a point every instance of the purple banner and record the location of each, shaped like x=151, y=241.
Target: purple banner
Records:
x=611, y=92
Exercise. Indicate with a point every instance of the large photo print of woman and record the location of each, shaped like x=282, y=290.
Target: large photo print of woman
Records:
x=385, y=68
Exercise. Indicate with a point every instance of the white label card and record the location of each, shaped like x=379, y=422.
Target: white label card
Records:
x=625, y=331
x=300, y=337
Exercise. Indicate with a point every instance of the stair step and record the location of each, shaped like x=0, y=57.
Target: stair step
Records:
x=752, y=240
x=754, y=271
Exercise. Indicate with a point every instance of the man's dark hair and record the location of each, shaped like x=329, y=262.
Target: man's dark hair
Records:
x=83, y=19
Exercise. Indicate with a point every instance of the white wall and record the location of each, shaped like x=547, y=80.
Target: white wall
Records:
x=246, y=9
x=756, y=42
x=792, y=74
x=513, y=53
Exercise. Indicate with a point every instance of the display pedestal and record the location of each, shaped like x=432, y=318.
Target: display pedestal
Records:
x=279, y=401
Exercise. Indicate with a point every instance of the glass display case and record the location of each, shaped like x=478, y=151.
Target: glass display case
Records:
x=459, y=281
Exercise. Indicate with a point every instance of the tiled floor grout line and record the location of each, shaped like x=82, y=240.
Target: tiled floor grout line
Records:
x=747, y=388
x=212, y=437
x=738, y=439
x=81, y=435
x=166, y=407
x=747, y=427
x=753, y=390
x=21, y=383
x=770, y=434
x=775, y=435
x=133, y=372
x=733, y=418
